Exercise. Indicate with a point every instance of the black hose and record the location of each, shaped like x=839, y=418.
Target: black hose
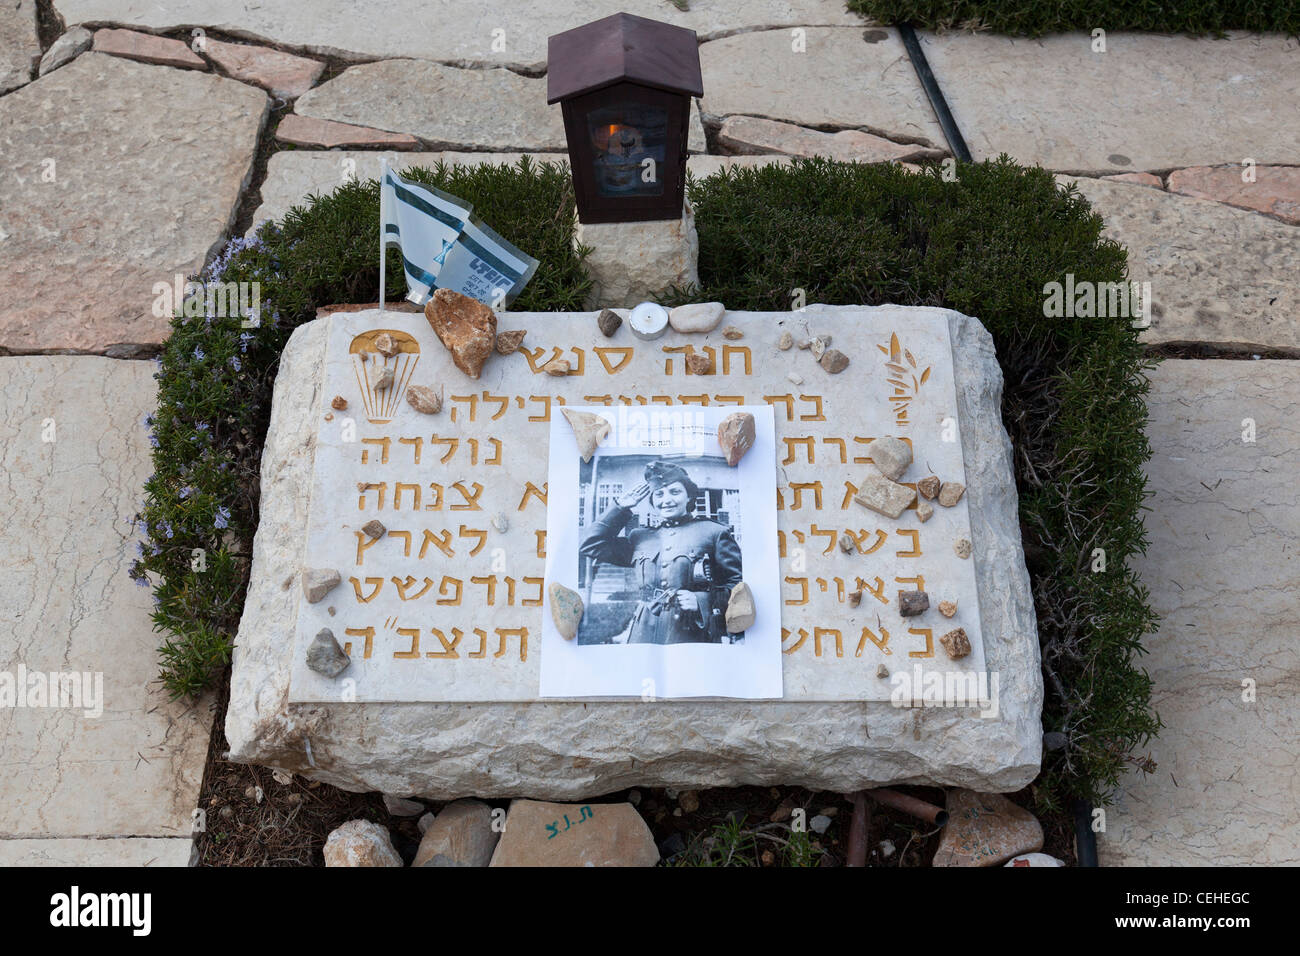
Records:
x=1085, y=840
x=956, y=144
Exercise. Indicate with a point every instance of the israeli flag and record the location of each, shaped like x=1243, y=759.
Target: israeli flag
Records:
x=424, y=223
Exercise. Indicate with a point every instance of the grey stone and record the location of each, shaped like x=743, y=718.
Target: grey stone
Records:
x=20, y=49
x=462, y=835
x=833, y=361
x=820, y=823
x=609, y=322
x=508, y=34
x=476, y=109
x=883, y=496
x=924, y=511
x=740, y=609
x=912, y=603
x=760, y=74
x=122, y=212
x=318, y=582
x=697, y=317
x=360, y=843
x=1180, y=245
x=437, y=750
x=124, y=772
x=1033, y=859
x=401, y=807
x=1220, y=565
x=1054, y=740
x=425, y=821
x=66, y=49
x=325, y=656
x=566, y=609
x=891, y=456
x=1124, y=110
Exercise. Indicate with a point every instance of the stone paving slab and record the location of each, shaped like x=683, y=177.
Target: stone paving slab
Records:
x=1274, y=191
x=148, y=48
x=138, y=194
x=20, y=49
x=505, y=34
x=1150, y=103
x=119, y=851
x=1223, y=568
x=66, y=604
x=749, y=134
x=294, y=174
x=844, y=78
x=1219, y=276
x=283, y=75
x=491, y=109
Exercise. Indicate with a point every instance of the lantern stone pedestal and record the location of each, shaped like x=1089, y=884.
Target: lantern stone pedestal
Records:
x=631, y=262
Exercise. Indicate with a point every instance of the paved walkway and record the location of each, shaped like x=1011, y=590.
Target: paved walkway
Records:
x=128, y=154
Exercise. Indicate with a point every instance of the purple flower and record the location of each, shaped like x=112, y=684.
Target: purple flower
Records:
x=198, y=355
x=234, y=362
x=186, y=492
x=203, y=426
x=153, y=440
x=244, y=339
x=223, y=518
x=142, y=582
x=166, y=528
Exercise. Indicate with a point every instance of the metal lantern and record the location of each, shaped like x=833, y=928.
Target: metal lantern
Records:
x=625, y=85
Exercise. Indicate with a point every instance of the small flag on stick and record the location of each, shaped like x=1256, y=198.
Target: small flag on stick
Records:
x=443, y=246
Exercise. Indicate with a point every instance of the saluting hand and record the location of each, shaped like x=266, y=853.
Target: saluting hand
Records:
x=634, y=496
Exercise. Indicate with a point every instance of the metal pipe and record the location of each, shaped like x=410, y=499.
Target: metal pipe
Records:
x=956, y=142
x=858, y=827
x=909, y=805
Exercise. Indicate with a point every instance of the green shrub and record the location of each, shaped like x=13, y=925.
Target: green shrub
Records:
x=986, y=244
x=1058, y=16
x=216, y=379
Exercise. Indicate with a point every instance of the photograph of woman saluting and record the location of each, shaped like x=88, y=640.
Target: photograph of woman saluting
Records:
x=683, y=569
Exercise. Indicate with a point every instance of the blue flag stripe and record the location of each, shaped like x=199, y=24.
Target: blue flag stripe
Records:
x=414, y=271
x=417, y=201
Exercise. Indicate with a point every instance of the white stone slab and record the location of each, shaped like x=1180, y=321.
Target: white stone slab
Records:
x=1222, y=568
x=465, y=34
x=1149, y=102
x=482, y=456
x=115, y=851
x=563, y=750
x=66, y=604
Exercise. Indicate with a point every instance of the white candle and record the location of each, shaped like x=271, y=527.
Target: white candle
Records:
x=649, y=320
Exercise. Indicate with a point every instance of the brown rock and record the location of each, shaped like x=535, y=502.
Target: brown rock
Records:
x=855, y=598
x=566, y=834
x=1275, y=191
x=385, y=345
x=928, y=487
x=985, y=829
x=374, y=529
x=689, y=801
x=912, y=603
x=283, y=74
x=947, y=608
x=461, y=835
x=508, y=342
x=424, y=399
x=608, y=321
x=950, y=493
x=698, y=363
x=882, y=672
x=956, y=643
x=736, y=436
x=339, y=404
x=148, y=48
x=557, y=367
x=327, y=134
x=731, y=332
x=467, y=327
x=834, y=361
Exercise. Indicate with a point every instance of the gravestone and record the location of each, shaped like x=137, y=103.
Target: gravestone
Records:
x=442, y=613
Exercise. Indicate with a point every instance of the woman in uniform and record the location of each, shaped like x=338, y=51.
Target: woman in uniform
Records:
x=684, y=569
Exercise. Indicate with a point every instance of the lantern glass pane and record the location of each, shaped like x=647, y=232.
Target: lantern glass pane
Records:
x=628, y=142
